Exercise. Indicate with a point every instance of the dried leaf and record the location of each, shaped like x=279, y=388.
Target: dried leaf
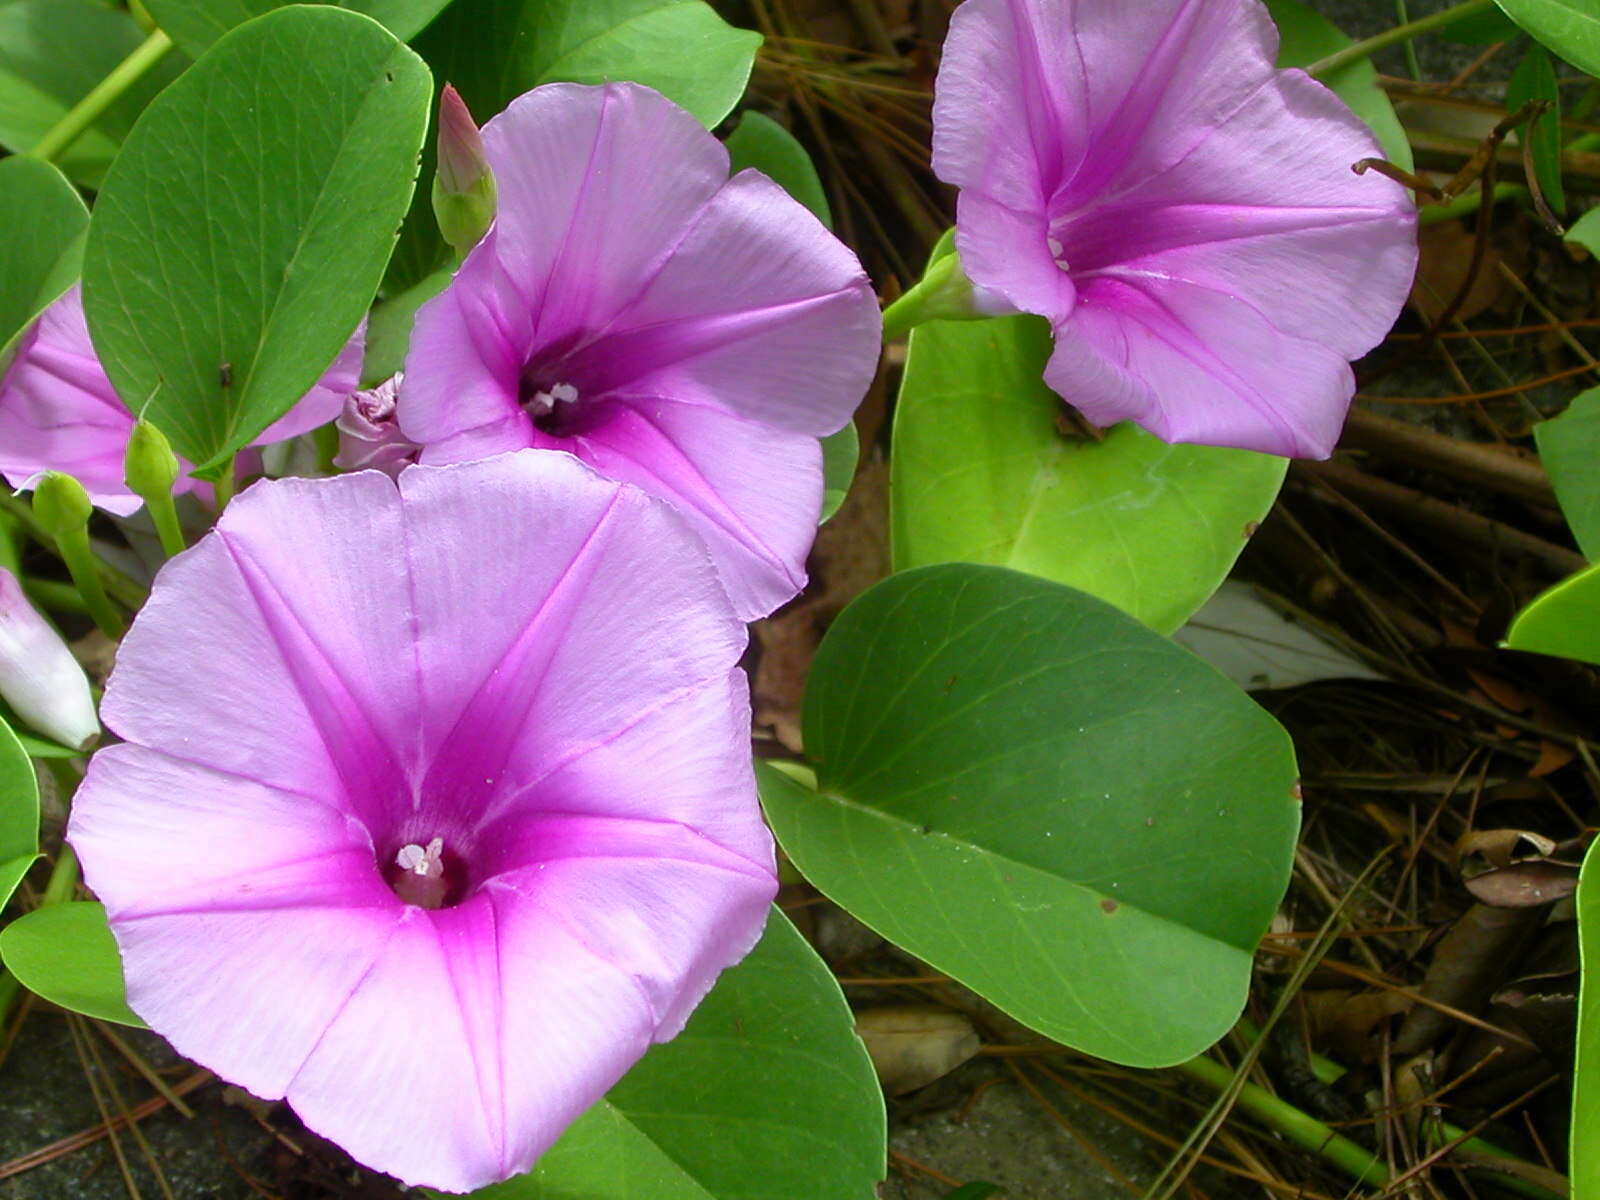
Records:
x=912, y=1045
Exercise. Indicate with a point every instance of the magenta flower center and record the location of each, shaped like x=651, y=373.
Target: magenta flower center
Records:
x=427, y=875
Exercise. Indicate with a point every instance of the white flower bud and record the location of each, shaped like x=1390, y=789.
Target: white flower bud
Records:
x=39, y=678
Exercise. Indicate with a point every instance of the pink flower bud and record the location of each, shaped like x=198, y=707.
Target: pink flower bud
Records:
x=369, y=436
x=464, y=194
x=39, y=678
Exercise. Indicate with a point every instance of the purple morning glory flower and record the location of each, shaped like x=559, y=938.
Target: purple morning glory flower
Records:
x=686, y=332
x=1183, y=213
x=436, y=805
x=59, y=412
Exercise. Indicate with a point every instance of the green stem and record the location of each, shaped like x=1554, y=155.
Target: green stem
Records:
x=1284, y=1118
x=1400, y=33
x=58, y=888
x=165, y=514
x=86, y=111
x=54, y=595
x=129, y=592
x=226, y=484
x=85, y=571
x=1467, y=203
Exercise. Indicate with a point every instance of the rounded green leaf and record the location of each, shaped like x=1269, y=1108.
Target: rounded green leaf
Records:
x=52, y=52
x=1569, y=448
x=1569, y=27
x=494, y=50
x=1564, y=621
x=195, y=24
x=762, y=143
x=1306, y=36
x=840, y=452
x=45, y=219
x=767, y=1094
x=1034, y=793
x=980, y=472
x=66, y=954
x=1585, y=1159
x=1535, y=79
x=244, y=228
x=19, y=813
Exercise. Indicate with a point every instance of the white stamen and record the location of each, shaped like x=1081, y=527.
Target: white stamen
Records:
x=1056, y=248
x=422, y=861
x=563, y=393
x=543, y=403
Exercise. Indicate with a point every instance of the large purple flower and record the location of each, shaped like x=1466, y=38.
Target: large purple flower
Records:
x=436, y=807
x=59, y=412
x=1184, y=214
x=674, y=328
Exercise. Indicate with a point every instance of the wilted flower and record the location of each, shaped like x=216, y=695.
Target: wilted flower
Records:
x=1184, y=214
x=39, y=678
x=369, y=434
x=430, y=818
x=685, y=332
x=59, y=412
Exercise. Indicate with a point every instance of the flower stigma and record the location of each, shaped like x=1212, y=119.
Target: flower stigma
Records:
x=421, y=879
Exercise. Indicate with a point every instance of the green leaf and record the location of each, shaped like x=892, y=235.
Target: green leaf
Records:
x=767, y=1094
x=44, y=219
x=1308, y=36
x=51, y=53
x=1585, y=1160
x=494, y=50
x=1569, y=448
x=1569, y=27
x=980, y=473
x=228, y=262
x=762, y=143
x=195, y=24
x=65, y=953
x=840, y=452
x=1480, y=28
x=1535, y=79
x=1564, y=621
x=1037, y=795
x=389, y=328
x=19, y=813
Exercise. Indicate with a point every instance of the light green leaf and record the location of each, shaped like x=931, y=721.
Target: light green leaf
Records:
x=19, y=813
x=1564, y=621
x=494, y=50
x=65, y=953
x=1585, y=1159
x=1308, y=36
x=51, y=53
x=1535, y=79
x=1569, y=27
x=840, y=452
x=1037, y=795
x=767, y=1094
x=195, y=24
x=228, y=262
x=981, y=473
x=44, y=219
x=1569, y=448
x=762, y=143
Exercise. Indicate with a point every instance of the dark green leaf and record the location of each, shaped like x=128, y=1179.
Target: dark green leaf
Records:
x=981, y=473
x=840, y=452
x=65, y=953
x=494, y=50
x=195, y=24
x=51, y=53
x=1569, y=448
x=762, y=143
x=766, y=1095
x=44, y=219
x=19, y=813
x=243, y=230
x=1481, y=28
x=1037, y=795
x=1564, y=621
x=1535, y=79
x=1307, y=36
x=1569, y=27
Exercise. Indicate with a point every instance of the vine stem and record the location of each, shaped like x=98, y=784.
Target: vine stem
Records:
x=102, y=96
x=1400, y=33
x=58, y=888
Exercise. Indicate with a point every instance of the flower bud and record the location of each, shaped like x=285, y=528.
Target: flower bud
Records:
x=944, y=293
x=464, y=193
x=150, y=468
x=39, y=678
x=369, y=435
x=60, y=504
